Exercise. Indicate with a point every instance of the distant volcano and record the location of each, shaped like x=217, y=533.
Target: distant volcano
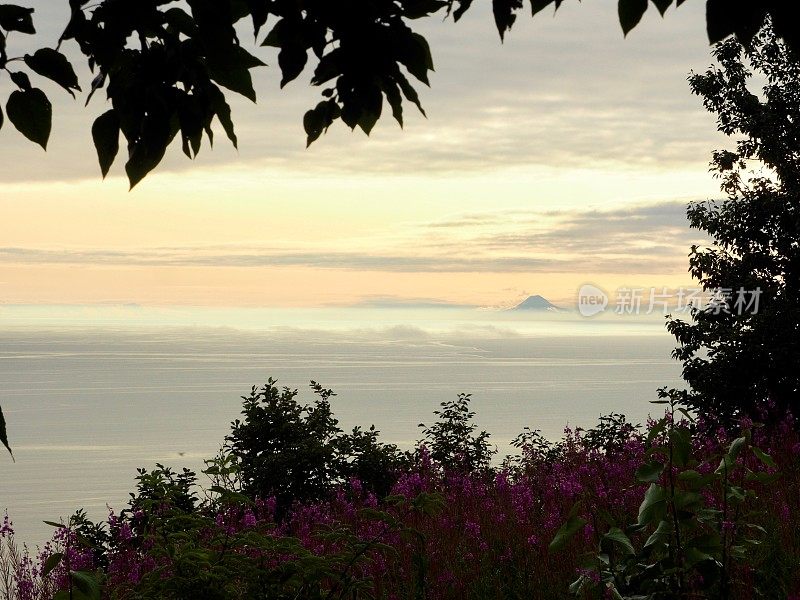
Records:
x=536, y=303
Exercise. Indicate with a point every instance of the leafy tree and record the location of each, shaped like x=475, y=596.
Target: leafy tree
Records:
x=297, y=452
x=744, y=350
x=163, y=63
x=284, y=448
x=452, y=440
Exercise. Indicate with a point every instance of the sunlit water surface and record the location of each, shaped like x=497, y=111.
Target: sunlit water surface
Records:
x=92, y=393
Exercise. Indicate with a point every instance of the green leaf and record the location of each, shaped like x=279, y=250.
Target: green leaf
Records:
x=105, y=133
x=762, y=477
x=656, y=430
x=51, y=563
x=54, y=524
x=736, y=447
x=693, y=478
x=616, y=536
x=649, y=472
x=31, y=113
x=694, y=556
x=686, y=500
x=55, y=66
x=654, y=505
x=572, y=526
x=16, y=18
x=764, y=458
x=87, y=584
x=660, y=536
x=681, y=445
x=630, y=13
x=3, y=434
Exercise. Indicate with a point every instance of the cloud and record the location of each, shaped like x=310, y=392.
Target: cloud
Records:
x=647, y=238
x=401, y=302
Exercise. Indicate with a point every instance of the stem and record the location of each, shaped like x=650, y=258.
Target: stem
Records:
x=677, y=555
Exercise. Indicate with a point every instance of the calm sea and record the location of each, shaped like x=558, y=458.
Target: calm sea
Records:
x=89, y=396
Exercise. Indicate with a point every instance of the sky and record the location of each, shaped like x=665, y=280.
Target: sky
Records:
x=563, y=156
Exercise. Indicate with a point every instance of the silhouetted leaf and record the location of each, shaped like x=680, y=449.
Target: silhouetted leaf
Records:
x=539, y=5
x=630, y=13
x=148, y=148
x=662, y=5
x=3, y=434
x=98, y=82
x=463, y=6
x=719, y=20
x=258, y=12
x=16, y=18
x=105, y=133
x=54, y=524
x=395, y=101
x=504, y=16
x=223, y=112
x=31, y=113
x=409, y=92
x=372, y=104
x=292, y=60
x=314, y=125
x=55, y=66
x=422, y=8
x=232, y=70
x=21, y=80
x=180, y=21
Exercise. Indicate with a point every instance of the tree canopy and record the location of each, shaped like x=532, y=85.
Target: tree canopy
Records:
x=742, y=352
x=163, y=64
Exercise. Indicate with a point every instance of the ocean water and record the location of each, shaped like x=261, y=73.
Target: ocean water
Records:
x=90, y=396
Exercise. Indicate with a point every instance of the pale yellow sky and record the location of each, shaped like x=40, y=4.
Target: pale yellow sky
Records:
x=565, y=156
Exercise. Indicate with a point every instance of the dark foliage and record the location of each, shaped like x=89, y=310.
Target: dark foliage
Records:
x=297, y=452
x=163, y=64
x=744, y=350
x=452, y=441
x=610, y=434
